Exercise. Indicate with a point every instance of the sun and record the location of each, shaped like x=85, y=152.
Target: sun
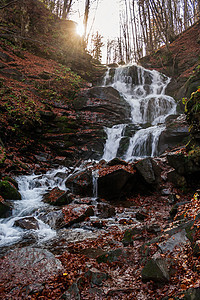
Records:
x=80, y=29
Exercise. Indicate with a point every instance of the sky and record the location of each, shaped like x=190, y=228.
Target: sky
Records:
x=106, y=19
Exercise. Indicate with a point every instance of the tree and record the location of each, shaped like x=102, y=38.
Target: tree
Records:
x=97, y=46
x=86, y=14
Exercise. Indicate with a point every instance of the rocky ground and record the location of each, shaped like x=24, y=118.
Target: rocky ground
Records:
x=143, y=241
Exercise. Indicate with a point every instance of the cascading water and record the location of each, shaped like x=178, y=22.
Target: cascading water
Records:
x=144, y=90
x=32, y=188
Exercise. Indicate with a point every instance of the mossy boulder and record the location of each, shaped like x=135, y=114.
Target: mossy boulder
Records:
x=8, y=191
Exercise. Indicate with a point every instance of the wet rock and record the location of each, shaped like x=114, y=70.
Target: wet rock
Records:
x=27, y=223
x=176, y=133
x=81, y=183
x=178, y=239
x=55, y=219
x=116, y=185
x=5, y=209
x=156, y=270
x=75, y=213
x=8, y=191
x=149, y=170
x=112, y=256
x=105, y=101
x=29, y=268
x=58, y=197
x=96, y=277
x=105, y=210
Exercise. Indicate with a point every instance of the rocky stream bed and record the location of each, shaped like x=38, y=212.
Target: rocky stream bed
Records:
x=107, y=230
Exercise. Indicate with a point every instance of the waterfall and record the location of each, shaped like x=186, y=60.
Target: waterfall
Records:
x=32, y=188
x=114, y=136
x=144, y=91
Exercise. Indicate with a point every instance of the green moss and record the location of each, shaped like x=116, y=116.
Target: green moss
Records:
x=8, y=192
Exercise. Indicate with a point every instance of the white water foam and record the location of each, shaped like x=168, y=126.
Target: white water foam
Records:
x=144, y=91
x=32, y=188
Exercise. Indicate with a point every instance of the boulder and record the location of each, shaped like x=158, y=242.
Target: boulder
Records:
x=156, y=269
x=8, y=191
x=176, y=133
x=27, y=223
x=55, y=219
x=149, y=170
x=95, y=276
x=28, y=268
x=58, y=197
x=111, y=256
x=178, y=239
x=184, y=164
x=81, y=183
x=75, y=213
x=117, y=184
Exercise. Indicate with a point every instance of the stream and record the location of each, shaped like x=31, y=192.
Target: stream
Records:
x=149, y=108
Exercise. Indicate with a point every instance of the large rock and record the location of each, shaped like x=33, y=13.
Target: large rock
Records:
x=55, y=219
x=8, y=191
x=75, y=213
x=58, y=197
x=156, y=270
x=149, y=170
x=178, y=239
x=27, y=223
x=81, y=183
x=176, y=133
x=28, y=269
x=116, y=185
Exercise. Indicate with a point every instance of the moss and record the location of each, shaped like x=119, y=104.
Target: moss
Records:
x=8, y=192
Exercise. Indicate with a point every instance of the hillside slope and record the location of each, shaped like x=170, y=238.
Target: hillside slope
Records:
x=42, y=69
x=181, y=62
